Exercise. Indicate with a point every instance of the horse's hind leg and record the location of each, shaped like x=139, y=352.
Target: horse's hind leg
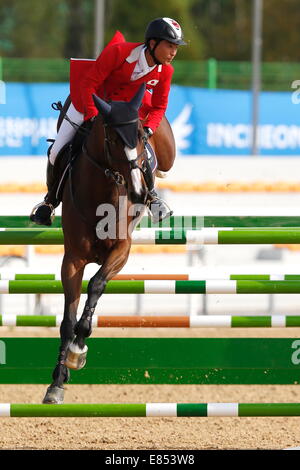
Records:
x=77, y=352
x=71, y=275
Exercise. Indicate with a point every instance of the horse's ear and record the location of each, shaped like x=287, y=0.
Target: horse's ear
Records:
x=103, y=107
x=138, y=97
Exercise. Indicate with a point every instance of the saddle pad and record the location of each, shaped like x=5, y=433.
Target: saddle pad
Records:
x=151, y=157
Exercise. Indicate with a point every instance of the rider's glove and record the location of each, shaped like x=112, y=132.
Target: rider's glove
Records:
x=148, y=132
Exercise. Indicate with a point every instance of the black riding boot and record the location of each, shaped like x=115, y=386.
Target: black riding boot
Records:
x=157, y=206
x=43, y=213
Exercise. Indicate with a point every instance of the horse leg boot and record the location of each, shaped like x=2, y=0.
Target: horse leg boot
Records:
x=77, y=351
x=114, y=262
x=158, y=207
x=71, y=275
x=61, y=374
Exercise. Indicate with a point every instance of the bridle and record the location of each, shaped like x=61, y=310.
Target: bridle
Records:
x=106, y=167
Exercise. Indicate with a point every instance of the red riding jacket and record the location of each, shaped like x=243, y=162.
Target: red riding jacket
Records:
x=109, y=78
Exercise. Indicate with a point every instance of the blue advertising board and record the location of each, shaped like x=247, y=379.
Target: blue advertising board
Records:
x=205, y=122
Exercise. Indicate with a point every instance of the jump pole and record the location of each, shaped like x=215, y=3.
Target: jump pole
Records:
x=149, y=410
x=187, y=222
x=206, y=236
x=194, y=321
x=160, y=287
x=6, y=275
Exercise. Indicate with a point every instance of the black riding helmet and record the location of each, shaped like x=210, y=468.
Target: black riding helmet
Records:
x=160, y=29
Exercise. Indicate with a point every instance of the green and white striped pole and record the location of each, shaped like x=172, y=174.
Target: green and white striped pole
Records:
x=191, y=276
x=150, y=410
x=180, y=221
x=160, y=287
x=206, y=236
x=193, y=321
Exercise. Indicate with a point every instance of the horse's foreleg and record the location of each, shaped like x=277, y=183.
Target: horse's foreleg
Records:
x=77, y=352
x=71, y=275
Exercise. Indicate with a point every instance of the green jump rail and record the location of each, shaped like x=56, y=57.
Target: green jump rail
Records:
x=148, y=410
x=205, y=236
x=159, y=287
x=188, y=222
x=192, y=276
x=184, y=321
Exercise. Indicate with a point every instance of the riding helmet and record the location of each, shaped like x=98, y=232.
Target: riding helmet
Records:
x=165, y=28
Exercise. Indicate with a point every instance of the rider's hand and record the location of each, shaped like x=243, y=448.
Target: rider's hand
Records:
x=148, y=132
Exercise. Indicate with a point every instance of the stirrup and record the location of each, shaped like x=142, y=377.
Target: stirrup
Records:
x=43, y=213
x=157, y=207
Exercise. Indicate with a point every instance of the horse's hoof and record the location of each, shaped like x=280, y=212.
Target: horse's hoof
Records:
x=76, y=357
x=54, y=396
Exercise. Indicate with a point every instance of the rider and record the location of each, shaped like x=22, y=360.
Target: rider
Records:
x=116, y=75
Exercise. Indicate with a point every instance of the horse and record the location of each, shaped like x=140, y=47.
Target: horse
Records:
x=109, y=168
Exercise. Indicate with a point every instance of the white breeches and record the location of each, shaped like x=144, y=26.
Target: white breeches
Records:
x=66, y=132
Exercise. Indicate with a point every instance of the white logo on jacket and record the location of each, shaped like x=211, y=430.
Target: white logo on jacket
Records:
x=152, y=82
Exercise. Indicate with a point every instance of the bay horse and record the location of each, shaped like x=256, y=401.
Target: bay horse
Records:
x=109, y=168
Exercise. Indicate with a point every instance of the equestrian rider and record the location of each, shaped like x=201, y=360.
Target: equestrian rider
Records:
x=116, y=75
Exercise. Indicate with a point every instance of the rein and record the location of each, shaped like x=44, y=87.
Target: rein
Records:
x=109, y=173
x=114, y=175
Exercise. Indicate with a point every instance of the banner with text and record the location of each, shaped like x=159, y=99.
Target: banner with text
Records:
x=205, y=122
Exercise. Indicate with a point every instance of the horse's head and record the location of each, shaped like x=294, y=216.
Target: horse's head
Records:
x=124, y=146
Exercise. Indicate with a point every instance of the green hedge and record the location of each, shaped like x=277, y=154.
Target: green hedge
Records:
x=214, y=74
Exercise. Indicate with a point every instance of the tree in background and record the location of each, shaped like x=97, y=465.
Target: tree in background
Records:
x=132, y=18
x=65, y=28
x=281, y=26
x=75, y=28
x=226, y=27
x=6, y=26
x=30, y=28
x=213, y=28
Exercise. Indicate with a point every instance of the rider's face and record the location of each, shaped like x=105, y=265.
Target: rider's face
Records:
x=165, y=51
